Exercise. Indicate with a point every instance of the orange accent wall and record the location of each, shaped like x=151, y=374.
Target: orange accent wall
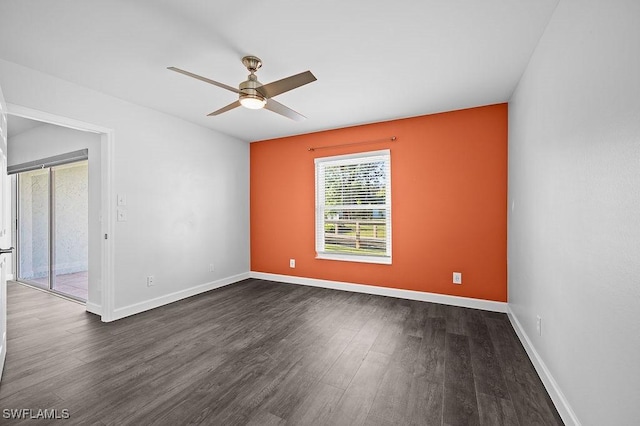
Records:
x=449, y=203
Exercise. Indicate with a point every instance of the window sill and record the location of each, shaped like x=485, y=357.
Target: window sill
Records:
x=382, y=260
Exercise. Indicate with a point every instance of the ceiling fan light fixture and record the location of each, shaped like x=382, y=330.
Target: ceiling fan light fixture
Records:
x=252, y=101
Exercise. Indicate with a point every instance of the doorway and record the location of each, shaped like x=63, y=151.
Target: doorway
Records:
x=65, y=135
x=52, y=227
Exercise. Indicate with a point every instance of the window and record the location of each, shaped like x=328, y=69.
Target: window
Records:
x=353, y=207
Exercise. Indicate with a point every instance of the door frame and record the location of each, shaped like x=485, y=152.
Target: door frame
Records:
x=107, y=218
x=5, y=208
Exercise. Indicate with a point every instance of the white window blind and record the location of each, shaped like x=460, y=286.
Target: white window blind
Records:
x=353, y=207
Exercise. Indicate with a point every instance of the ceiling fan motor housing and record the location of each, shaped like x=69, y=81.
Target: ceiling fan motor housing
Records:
x=248, y=89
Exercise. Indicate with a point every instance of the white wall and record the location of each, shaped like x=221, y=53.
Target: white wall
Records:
x=187, y=189
x=574, y=183
x=48, y=140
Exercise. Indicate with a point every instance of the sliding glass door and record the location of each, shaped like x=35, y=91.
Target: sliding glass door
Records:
x=70, y=234
x=53, y=228
x=33, y=227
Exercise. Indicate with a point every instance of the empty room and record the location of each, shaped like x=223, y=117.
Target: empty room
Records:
x=320, y=213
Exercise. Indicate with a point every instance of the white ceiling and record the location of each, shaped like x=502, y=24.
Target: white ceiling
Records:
x=375, y=60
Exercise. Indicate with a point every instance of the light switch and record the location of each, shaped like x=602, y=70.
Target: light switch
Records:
x=122, y=215
x=122, y=199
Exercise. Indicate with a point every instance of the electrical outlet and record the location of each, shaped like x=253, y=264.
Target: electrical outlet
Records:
x=292, y=263
x=539, y=325
x=457, y=277
x=211, y=267
x=150, y=281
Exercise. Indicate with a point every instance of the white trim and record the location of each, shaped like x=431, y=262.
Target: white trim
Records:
x=382, y=260
x=466, y=302
x=559, y=400
x=107, y=290
x=136, y=308
x=320, y=207
x=93, y=308
x=46, y=117
x=382, y=154
x=107, y=143
x=10, y=277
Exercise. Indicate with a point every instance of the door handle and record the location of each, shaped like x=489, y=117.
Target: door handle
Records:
x=6, y=251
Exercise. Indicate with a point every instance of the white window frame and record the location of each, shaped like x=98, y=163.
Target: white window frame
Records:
x=320, y=208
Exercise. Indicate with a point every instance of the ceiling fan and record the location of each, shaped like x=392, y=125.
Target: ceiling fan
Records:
x=254, y=95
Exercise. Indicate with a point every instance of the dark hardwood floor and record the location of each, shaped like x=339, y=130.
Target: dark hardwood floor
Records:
x=264, y=353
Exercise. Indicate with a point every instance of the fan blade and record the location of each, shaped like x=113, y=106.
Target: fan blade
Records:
x=278, y=108
x=289, y=83
x=229, y=107
x=206, y=80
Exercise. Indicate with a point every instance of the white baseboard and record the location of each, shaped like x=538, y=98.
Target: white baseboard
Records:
x=559, y=400
x=136, y=308
x=94, y=308
x=10, y=277
x=466, y=302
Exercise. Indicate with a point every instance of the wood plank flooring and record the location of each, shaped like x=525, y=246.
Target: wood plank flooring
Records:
x=265, y=353
x=75, y=284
